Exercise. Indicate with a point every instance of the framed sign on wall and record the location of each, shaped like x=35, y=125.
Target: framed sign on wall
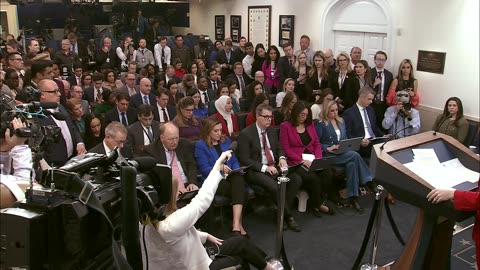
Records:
x=259, y=21
x=286, y=29
x=219, y=27
x=236, y=27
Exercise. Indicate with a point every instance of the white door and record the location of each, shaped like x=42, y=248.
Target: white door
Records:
x=370, y=43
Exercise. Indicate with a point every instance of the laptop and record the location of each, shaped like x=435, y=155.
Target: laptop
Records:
x=352, y=144
x=322, y=163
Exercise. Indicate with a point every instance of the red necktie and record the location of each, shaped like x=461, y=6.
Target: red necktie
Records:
x=165, y=116
x=268, y=154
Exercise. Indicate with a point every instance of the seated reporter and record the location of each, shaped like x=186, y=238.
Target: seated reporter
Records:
x=176, y=152
x=401, y=115
x=227, y=117
x=298, y=137
x=178, y=231
x=199, y=110
x=16, y=155
x=261, y=98
x=207, y=151
x=260, y=149
x=331, y=130
x=187, y=123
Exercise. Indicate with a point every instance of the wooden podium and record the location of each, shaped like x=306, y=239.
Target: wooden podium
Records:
x=389, y=171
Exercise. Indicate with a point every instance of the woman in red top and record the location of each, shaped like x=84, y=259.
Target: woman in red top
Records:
x=298, y=139
x=227, y=117
x=462, y=201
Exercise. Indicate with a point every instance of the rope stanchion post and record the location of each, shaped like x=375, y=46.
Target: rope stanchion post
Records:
x=379, y=197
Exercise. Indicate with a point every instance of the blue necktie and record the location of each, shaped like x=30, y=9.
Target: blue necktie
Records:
x=124, y=119
x=367, y=122
x=145, y=100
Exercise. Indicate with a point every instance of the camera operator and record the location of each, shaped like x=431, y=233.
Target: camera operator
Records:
x=177, y=230
x=36, y=52
x=402, y=115
x=16, y=166
x=70, y=143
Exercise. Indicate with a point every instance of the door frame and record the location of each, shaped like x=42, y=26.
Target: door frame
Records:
x=336, y=6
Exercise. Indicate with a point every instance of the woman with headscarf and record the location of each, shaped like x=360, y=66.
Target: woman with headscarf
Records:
x=226, y=115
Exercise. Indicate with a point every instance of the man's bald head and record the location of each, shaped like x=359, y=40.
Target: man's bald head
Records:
x=145, y=86
x=49, y=91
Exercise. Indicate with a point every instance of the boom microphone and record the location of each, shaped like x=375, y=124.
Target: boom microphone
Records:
x=36, y=105
x=233, y=146
x=395, y=135
x=57, y=115
x=441, y=123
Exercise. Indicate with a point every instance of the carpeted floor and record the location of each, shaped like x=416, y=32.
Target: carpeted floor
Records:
x=463, y=250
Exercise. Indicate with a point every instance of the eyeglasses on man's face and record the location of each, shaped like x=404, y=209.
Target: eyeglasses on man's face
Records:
x=52, y=91
x=268, y=117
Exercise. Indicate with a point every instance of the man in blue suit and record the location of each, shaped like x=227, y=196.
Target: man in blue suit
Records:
x=360, y=120
x=144, y=96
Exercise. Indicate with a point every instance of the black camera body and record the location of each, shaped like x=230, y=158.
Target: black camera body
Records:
x=70, y=222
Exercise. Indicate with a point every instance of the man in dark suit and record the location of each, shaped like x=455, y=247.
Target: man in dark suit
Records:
x=162, y=112
x=286, y=62
x=178, y=153
x=382, y=79
x=76, y=77
x=115, y=136
x=122, y=112
x=213, y=81
x=106, y=56
x=170, y=75
x=260, y=149
x=260, y=77
x=240, y=78
x=207, y=95
x=360, y=120
x=130, y=87
x=226, y=58
x=94, y=94
x=143, y=132
x=79, y=48
x=69, y=143
x=144, y=96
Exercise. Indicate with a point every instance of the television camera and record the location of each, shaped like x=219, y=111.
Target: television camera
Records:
x=77, y=215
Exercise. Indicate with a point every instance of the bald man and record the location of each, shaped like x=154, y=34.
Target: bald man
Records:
x=144, y=96
x=331, y=61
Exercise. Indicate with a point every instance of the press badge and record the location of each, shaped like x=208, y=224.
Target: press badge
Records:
x=143, y=60
x=108, y=60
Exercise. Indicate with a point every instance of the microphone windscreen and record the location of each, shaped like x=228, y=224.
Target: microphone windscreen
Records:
x=145, y=163
x=59, y=116
x=233, y=146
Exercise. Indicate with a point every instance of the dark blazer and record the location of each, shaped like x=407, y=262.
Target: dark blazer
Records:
x=101, y=58
x=173, y=102
x=207, y=156
x=88, y=93
x=222, y=59
x=211, y=95
x=311, y=83
x=135, y=134
x=210, y=85
x=72, y=80
x=250, y=152
x=136, y=100
x=284, y=68
x=56, y=153
x=354, y=123
x=184, y=154
x=388, y=81
x=333, y=83
x=327, y=134
x=112, y=115
x=124, y=89
x=171, y=111
x=246, y=79
x=99, y=149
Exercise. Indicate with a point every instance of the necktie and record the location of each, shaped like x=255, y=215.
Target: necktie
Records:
x=78, y=81
x=165, y=116
x=124, y=119
x=214, y=83
x=131, y=92
x=367, y=122
x=175, y=169
x=145, y=100
x=150, y=134
x=291, y=62
x=242, y=84
x=163, y=56
x=228, y=58
x=205, y=97
x=270, y=161
x=380, y=86
x=99, y=96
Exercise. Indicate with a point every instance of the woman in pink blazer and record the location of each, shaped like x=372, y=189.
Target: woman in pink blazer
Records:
x=298, y=137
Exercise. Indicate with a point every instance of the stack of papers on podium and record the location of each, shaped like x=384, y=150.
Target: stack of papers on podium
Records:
x=449, y=174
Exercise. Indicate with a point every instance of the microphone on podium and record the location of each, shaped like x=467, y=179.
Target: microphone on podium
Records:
x=395, y=135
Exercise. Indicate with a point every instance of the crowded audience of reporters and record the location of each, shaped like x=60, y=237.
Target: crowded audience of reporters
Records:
x=185, y=106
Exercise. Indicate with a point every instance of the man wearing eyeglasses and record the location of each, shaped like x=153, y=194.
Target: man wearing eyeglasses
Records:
x=382, y=79
x=130, y=87
x=70, y=143
x=115, y=136
x=40, y=70
x=331, y=61
x=15, y=61
x=143, y=132
x=260, y=149
x=178, y=154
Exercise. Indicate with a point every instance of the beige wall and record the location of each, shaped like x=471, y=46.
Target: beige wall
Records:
x=12, y=18
x=437, y=25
